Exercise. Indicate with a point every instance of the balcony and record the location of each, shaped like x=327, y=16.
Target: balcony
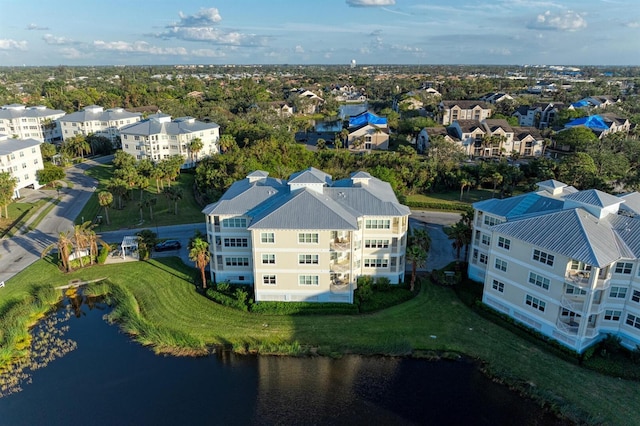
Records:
x=581, y=279
x=339, y=286
x=571, y=326
x=340, y=244
x=343, y=265
x=576, y=304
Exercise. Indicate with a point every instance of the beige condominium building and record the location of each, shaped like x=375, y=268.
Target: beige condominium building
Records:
x=33, y=122
x=307, y=238
x=95, y=120
x=21, y=158
x=562, y=261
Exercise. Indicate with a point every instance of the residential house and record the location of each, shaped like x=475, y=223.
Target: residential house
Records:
x=309, y=101
x=22, y=159
x=451, y=111
x=95, y=120
x=528, y=142
x=495, y=97
x=540, y=115
x=158, y=137
x=561, y=261
x=428, y=133
x=34, y=122
x=308, y=238
x=542, y=87
x=594, y=102
x=367, y=131
x=602, y=124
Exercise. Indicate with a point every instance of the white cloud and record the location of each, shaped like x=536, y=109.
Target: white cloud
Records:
x=564, y=21
x=371, y=3
x=32, y=27
x=500, y=51
x=51, y=39
x=72, y=53
x=299, y=49
x=632, y=24
x=10, y=44
x=138, y=47
x=203, y=27
x=208, y=53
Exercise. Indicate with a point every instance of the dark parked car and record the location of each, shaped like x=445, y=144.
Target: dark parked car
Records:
x=168, y=245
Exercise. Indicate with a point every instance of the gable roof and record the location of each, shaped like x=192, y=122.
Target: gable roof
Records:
x=594, y=197
x=310, y=175
x=367, y=118
x=593, y=122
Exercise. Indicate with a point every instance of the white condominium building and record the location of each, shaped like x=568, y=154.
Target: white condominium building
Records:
x=34, y=122
x=562, y=261
x=159, y=137
x=95, y=120
x=22, y=159
x=308, y=238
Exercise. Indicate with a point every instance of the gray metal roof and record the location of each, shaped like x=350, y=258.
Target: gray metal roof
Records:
x=552, y=183
x=243, y=196
x=594, y=197
x=97, y=113
x=631, y=202
x=574, y=233
x=303, y=209
x=521, y=205
x=16, y=111
x=176, y=127
x=310, y=175
x=7, y=146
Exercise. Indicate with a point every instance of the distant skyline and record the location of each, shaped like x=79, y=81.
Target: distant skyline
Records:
x=118, y=32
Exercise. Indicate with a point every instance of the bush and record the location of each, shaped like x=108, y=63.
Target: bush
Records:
x=382, y=284
x=102, y=256
x=437, y=205
x=49, y=174
x=303, y=308
x=385, y=299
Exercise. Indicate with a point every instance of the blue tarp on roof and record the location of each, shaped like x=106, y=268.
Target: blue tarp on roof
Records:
x=593, y=122
x=366, y=118
x=580, y=104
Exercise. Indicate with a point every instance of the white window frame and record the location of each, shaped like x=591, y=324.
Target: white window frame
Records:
x=504, y=243
x=269, y=279
x=535, y=303
x=543, y=257
x=500, y=264
x=539, y=280
x=268, y=259
x=267, y=238
x=498, y=286
x=308, y=259
x=308, y=280
x=308, y=238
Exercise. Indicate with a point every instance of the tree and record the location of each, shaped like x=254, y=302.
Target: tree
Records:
x=173, y=194
x=64, y=245
x=227, y=142
x=460, y=233
x=8, y=186
x=105, y=199
x=146, y=240
x=576, y=138
x=577, y=169
x=321, y=144
x=200, y=255
x=80, y=239
x=464, y=182
x=49, y=174
x=48, y=150
x=76, y=146
x=195, y=146
x=123, y=159
x=117, y=187
x=417, y=257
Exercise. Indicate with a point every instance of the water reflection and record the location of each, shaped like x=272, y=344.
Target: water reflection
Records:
x=111, y=380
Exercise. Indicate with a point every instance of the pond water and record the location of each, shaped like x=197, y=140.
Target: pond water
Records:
x=106, y=379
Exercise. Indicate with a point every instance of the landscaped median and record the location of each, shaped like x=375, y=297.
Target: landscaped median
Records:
x=160, y=306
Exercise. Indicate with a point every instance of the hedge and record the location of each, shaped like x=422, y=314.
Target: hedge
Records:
x=303, y=308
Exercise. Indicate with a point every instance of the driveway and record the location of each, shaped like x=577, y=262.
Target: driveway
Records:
x=442, y=252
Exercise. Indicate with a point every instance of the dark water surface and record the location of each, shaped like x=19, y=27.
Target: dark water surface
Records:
x=109, y=380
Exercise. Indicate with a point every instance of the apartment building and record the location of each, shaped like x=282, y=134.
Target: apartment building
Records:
x=159, y=137
x=22, y=159
x=307, y=238
x=34, y=122
x=451, y=111
x=562, y=261
x=95, y=120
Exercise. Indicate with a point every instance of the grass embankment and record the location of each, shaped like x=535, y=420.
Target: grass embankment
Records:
x=161, y=294
x=19, y=213
x=189, y=211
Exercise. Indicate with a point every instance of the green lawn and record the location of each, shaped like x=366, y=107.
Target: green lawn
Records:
x=435, y=320
x=189, y=211
x=21, y=211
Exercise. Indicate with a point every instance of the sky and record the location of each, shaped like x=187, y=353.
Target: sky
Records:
x=126, y=32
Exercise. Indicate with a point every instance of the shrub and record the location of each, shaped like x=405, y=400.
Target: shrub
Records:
x=385, y=299
x=303, y=308
x=365, y=288
x=610, y=345
x=103, y=255
x=382, y=284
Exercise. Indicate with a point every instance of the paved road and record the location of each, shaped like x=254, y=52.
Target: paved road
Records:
x=19, y=252
x=442, y=252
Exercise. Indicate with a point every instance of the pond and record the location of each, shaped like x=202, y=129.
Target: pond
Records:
x=103, y=378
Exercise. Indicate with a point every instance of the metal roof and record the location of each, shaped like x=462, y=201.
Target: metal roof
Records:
x=7, y=146
x=525, y=204
x=176, y=127
x=97, y=113
x=594, y=197
x=574, y=233
x=310, y=175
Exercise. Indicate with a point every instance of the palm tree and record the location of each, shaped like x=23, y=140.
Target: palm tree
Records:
x=200, y=255
x=195, y=146
x=344, y=133
x=227, y=142
x=496, y=179
x=64, y=245
x=173, y=194
x=420, y=237
x=150, y=202
x=80, y=238
x=157, y=174
x=142, y=183
x=460, y=233
x=105, y=199
x=7, y=188
x=93, y=240
x=321, y=144
x=118, y=187
x=464, y=182
x=417, y=256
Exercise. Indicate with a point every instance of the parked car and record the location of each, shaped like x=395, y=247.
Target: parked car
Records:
x=168, y=245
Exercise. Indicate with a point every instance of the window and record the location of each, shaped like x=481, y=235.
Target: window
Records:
x=504, y=243
x=611, y=315
x=267, y=237
x=268, y=259
x=633, y=321
x=308, y=238
x=498, y=286
x=307, y=259
x=269, y=279
x=377, y=224
x=535, y=303
x=376, y=263
x=501, y=265
x=376, y=243
x=236, y=242
x=486, y=240
x=539, y=280
x=490, y=220
x=636, y=296
x=571, y=289
x=543, y=257
x=236, y=261
x=623, y=268
x=618, y=292
x=483, y=258
x=234, y=222
x=308, y=279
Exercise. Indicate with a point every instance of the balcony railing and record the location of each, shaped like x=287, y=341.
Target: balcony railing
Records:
x=339, y=286
x=340, y=266
x=581, y=279
x=342, y=244
x=571, y=327
x=576, y=304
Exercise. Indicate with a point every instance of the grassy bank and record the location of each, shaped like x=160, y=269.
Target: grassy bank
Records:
x=162, y=294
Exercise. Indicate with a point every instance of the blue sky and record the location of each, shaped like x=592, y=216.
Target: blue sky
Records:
x=100, y=32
